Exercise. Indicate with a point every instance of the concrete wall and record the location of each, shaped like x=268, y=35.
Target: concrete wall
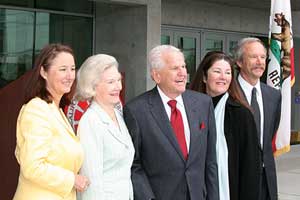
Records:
x=212, y=16
x=127, y=31
x=295, y=23
x=219, y=17
x=153, y=32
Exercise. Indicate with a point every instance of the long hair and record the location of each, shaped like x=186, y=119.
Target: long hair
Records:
x=37, y=85
x=209, y=59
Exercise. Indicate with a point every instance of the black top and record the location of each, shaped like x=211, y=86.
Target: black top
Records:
x=243, y=150
x=216, y=99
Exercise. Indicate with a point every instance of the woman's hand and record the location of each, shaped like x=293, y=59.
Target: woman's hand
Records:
x=81, y=183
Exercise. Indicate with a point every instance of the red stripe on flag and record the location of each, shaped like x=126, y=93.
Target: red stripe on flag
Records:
x=274, y=143
x=292, y=66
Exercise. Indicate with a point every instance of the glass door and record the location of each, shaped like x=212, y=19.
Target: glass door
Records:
x=16, y=44
x=167, y=37
x=24, y=33
x=232, y=41
x=53, y=28
x=189, y=43
x=212, y=42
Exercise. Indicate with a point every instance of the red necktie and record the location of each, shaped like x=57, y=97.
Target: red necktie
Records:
x=177, y=124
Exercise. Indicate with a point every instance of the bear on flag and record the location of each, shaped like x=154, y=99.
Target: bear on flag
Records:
x=280, y=73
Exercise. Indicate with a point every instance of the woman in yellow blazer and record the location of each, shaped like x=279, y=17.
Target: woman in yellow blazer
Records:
x=47, y=150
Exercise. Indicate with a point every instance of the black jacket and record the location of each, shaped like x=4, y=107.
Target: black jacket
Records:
x=244, y=156
x=272, y=111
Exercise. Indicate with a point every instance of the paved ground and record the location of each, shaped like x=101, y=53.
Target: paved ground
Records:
x=288, y=174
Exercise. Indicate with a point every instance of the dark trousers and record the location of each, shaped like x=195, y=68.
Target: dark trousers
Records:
x=263, y=189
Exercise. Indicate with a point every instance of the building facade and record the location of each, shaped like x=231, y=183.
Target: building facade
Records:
x=128, y=29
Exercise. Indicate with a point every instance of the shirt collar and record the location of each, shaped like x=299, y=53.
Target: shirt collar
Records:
x=166, y=99
x=247, y=87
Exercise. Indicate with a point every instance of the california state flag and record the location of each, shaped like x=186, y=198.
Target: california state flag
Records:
x=281, y=68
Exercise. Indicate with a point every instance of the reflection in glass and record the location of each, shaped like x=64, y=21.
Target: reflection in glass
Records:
x=19, y=43
x=232, y=45
x=16, y=33
x=165, y=39
x=21, y=3
x=188, y=47
x=77, y=6
x=213, y=45
x=74, y=6
x=71, y=30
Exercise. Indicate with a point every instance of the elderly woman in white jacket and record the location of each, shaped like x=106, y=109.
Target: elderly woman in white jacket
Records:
x=103, y=134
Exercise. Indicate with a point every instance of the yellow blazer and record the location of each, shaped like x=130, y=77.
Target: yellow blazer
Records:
x=48, y=152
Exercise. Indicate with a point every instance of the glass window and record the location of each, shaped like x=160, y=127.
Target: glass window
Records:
x=23, y=34
x=189, y=43
x=165, y=39
x=74, y=31
x=23, y=3
x=75, y=6
x=188, y=47
x=213, y=45
x=212, y=41
x=16, y=41
x=232, y=46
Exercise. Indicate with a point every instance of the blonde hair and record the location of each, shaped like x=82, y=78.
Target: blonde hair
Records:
x=89, y=75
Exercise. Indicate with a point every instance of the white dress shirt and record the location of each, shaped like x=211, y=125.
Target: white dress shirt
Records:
x=247, y=88
x=180, y=107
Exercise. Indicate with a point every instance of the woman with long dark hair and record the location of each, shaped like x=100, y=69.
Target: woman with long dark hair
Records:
x=238, y=153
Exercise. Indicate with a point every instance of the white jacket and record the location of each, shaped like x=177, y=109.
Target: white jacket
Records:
x=108, y=158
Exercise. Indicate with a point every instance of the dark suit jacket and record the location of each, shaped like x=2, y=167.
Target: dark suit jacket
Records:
x=159, y=169
x=243, y=152
x=272, y=111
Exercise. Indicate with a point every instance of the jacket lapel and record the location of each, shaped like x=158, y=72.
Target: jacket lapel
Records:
x=160, y=116
x=191, y=108
x=61, y=120
x=266, y=105
x=109, y=124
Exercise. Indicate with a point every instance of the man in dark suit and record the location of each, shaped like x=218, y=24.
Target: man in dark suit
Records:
x=266, y=104
x=175, y=145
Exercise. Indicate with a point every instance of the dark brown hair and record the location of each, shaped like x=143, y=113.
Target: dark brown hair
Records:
x=37, y=85
x=209, y=59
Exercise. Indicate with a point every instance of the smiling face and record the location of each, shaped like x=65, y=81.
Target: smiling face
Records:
x=171, y=78
x=108, y=88
x=253, y=63
x=218, y=78
x=60, y=75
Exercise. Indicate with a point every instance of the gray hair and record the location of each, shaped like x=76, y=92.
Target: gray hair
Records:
x=239, y=51
x=89, y=75
x=156, y=55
